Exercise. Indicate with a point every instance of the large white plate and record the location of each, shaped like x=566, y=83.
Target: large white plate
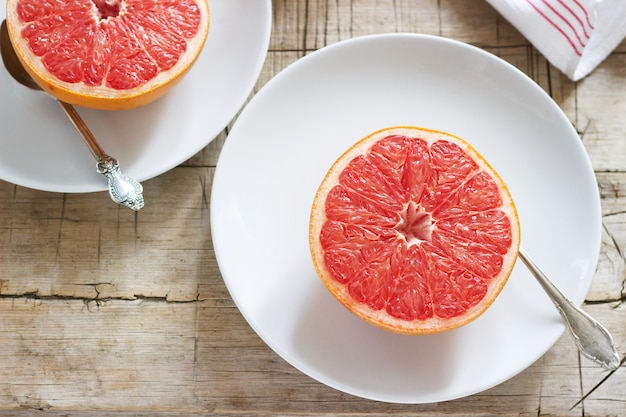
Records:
x=301, y=121
x=40, y=149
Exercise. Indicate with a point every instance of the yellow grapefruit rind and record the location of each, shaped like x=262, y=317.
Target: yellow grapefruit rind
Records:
x=381, y=318
x=104, y=98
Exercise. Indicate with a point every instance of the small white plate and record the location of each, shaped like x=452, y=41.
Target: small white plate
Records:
x=289, y=135
x=40, y=149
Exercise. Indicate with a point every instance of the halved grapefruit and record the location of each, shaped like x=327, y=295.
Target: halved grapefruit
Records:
x=413, y=231
x=107, y=54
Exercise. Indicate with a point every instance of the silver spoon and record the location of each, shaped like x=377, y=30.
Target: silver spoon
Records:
x=122, y=189
x=593, y=339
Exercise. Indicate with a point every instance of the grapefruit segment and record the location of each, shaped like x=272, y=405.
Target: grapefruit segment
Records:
x=107, y=54
x=413, y=231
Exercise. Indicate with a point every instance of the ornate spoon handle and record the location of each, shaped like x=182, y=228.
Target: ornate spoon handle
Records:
x=122, y=189
x=593, y=340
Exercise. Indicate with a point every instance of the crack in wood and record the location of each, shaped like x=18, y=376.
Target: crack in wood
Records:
x=616, y=244
x=60, y=235
x=595, y=387
x=34, y=295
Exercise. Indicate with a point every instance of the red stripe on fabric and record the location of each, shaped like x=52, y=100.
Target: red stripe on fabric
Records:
x=567, y=22
x=580, y=22
x=565, y=35
x=585, y=12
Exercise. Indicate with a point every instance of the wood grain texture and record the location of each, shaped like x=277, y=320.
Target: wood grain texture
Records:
x=104, y=311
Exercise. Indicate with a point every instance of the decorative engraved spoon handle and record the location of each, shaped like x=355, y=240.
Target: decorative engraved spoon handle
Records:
x=122, y=189
x=593, y=340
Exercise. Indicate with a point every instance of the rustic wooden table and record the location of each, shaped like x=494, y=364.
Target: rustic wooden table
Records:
x=110, y=311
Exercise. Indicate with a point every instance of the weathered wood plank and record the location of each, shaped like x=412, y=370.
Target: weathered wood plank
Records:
x=201, y=356
x=83, y=246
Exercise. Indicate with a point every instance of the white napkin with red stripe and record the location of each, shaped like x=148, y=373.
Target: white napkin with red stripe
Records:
x=574, y=35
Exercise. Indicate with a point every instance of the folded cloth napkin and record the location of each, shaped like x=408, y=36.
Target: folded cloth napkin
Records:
x=574, y=35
